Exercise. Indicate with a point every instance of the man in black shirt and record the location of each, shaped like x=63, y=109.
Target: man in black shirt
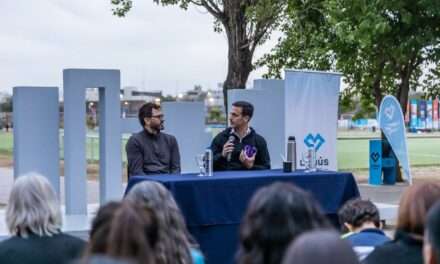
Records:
x=239, y=147
x=151, y=151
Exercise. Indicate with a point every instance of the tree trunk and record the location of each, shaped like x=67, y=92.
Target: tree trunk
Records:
x=239, y=49
x=377, y=84
x=402, y=96
x=403, y=91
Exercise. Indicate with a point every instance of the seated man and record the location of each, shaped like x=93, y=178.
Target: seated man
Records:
x=361, y=219
x=151, y=151
x=431, y=245
x=239, y=147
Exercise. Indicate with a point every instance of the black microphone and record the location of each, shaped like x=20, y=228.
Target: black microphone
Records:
x=231, y=140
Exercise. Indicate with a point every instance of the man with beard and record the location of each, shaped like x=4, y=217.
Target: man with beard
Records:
x=152, y=151
x=239, y=147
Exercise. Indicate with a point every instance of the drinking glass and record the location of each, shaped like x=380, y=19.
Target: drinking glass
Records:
x=200, y=160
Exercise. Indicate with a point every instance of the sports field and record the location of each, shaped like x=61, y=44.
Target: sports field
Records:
x=352, y=149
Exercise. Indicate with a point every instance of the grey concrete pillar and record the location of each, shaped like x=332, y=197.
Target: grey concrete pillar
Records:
x=186, y=121
x=75, y=83
x=36, y=125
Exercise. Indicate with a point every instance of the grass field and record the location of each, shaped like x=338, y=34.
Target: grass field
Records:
x=352, y=149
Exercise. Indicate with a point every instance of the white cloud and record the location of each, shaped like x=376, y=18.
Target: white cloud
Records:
x=155, y=47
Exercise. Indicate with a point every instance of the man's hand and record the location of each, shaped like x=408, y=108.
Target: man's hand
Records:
x=227, y=148
x=248, y=162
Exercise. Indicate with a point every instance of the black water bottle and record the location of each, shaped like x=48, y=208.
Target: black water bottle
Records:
x=291, y=151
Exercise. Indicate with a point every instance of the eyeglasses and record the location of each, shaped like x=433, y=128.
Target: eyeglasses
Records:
x=235, y=115
x=157, y=116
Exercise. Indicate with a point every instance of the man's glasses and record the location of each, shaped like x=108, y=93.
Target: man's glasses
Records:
x=157, y=116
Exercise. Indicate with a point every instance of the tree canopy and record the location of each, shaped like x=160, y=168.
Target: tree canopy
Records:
x=246, y=23
x=380, y=46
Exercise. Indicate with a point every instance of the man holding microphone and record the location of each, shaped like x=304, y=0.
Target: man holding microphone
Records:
x=239, y=147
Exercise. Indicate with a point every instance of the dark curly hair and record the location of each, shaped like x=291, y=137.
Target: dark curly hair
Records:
x=356, y=212
x=277, y=214
x=123, y=230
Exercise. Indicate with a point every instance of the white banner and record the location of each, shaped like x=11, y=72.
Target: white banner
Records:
x=311, y=101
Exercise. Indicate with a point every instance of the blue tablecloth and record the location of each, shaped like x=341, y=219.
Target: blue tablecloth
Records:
x=214, y=206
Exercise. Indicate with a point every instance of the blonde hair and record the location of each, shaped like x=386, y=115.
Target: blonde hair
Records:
x=33, y=207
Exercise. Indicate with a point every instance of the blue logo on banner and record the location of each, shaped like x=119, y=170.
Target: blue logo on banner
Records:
x=314, y=141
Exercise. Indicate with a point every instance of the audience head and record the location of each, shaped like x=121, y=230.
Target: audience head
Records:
x=431, y=246
x=174, y=240
x=276, y=215
x=318, y=247
x=33, y=207
x=414, y=206
x=124, y=231
x=357, y=214
x=101, y=224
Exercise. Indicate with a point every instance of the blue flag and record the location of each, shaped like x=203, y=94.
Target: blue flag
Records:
x=392, y=123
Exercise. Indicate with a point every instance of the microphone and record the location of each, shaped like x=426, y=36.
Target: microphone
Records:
x=231, y=140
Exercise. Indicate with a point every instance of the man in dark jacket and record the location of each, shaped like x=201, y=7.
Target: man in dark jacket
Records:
x=151, y=151
x=239, y=147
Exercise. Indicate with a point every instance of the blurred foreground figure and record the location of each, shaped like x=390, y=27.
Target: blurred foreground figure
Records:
x=276, y=215
x=406, y=248
x=317, y=247
x=33, y=216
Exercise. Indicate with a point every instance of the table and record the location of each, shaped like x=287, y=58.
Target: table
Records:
x=214, y=206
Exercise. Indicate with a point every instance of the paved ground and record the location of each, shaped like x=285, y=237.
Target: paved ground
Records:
x=387, y=196
x=380, y=194
x=7, y=177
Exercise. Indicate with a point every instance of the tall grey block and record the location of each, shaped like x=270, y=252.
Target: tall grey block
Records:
x=268, y=119
x=186, y=121
x=76, y=81
x=36, y=125
x=271, y=121
x=130, y=125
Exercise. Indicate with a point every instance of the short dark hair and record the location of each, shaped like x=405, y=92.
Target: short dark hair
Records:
x=277, y=214
x=356, y=212
x=147, y=111
x=433, y=229
x=247, y=109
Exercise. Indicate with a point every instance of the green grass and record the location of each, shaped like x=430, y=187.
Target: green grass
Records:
x=6, y=143
x=352, y=153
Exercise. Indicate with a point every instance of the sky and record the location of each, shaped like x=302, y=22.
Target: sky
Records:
x=155, y=47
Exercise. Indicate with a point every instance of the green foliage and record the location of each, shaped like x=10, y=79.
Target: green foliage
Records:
x=431, y=85
x=6, y=104
x=247, y=24
x=379, y=46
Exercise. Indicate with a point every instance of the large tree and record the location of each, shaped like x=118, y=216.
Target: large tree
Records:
x=379, y=46
x=247, y=24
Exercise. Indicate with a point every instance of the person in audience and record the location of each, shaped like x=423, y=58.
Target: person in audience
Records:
x=277, y=214
x=100, y=230
x=123, y=231
x=175, y=244
x=431, y=245
x=361, y=218
x=406, y=248
x=239, y=147
x=152, y=151
x=33, y=217
x=317, y=247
